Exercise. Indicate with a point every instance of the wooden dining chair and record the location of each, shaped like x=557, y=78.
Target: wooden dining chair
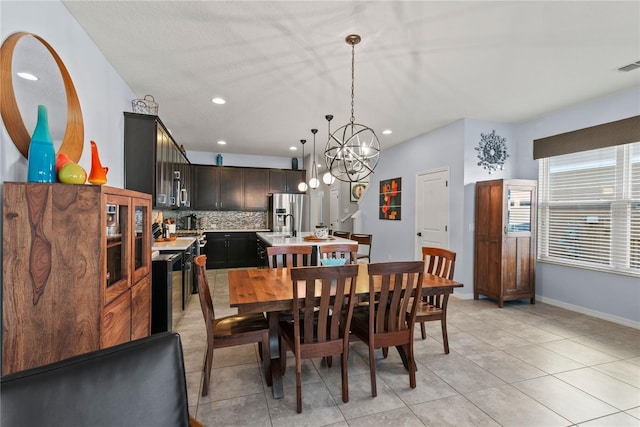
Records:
x=230, y=330
x=315, y=331
x=364, y=245
x=439, y=262
x=385, y=323
x=289, y=256
x=339, y=250
x=343, y=234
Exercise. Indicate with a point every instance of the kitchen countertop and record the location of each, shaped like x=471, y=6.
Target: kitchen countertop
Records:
x=280, y=239
x=235, y=230
x=180, y=244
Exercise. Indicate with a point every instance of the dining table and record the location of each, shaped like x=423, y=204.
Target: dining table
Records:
x=270, y=291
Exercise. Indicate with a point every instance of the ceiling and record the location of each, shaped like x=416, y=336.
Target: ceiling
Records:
x=282, y=66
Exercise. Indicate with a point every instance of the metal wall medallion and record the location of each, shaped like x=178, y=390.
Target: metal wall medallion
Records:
x=492, y=151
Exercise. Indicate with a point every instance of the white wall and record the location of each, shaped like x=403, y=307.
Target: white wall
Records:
x=103, y=94
x=607, y=295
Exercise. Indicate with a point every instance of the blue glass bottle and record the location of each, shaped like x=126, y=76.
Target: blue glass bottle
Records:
x=42, y=155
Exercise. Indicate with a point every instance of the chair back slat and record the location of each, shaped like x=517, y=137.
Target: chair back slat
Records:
x=399, y=281
x=439, y=262
x=289, y=256
x=322, y=315
x=339, y=250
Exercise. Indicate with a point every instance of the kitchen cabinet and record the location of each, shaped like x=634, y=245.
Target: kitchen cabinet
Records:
x=256, y=184
x=76, y=271
x=231, y=249
x=219, y=188
x=505, y=240
x=154, y=163
x=286, y=180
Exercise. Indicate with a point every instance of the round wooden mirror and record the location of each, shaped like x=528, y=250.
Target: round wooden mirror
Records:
x=73, y=139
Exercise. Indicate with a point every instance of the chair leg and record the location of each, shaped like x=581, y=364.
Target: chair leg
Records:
x=298, y=384
x=423, y=331
x=345, y=376
x=385, y=352
x=206, y=368
x=412, y=366
x=261, y=351
x=372, y=370
x=445, y=339
x=329, y=361
x=265, y=354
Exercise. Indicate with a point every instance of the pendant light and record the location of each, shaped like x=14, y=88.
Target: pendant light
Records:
x=353, y=150
x=327, y=178
x=314, y=182
x=302, y=187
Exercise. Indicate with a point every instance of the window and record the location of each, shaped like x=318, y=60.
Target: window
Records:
x=589, y=209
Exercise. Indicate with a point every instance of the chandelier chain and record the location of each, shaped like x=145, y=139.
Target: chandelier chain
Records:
x=353, y=79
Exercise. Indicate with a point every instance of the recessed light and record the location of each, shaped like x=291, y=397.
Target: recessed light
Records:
x=218, y=101
x=387, y=132
x=221, y=142
x=293, y=148
x=27, y=76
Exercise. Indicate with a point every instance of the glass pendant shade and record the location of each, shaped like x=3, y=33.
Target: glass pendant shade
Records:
x=302, y=186
x=328, y=179
x=352, y=151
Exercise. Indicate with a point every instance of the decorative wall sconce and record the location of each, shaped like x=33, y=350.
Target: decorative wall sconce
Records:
x=492, y=151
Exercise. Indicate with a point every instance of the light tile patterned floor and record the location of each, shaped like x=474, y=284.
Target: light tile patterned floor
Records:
x=522, y=365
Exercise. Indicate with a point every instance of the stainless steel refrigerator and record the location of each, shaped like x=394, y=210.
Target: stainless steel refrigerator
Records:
x=288, y=213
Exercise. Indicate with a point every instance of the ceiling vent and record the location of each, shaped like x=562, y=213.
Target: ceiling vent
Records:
x=632, y=66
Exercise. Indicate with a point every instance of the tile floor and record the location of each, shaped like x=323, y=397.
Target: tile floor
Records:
x=523, y=365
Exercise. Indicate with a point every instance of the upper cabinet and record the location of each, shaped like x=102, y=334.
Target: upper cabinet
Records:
x=285, y=180
x=227, y=188
x=154, y=163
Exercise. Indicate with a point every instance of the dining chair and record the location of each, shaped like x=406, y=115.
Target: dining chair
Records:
x=230, y=330
x=320, y=326
x=385, y=323
x=338, y=250
x=289, y=256
x=364, y=243
x=343, y=234
x=439, y=262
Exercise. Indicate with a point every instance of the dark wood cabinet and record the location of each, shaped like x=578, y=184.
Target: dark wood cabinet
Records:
x=231, y=249
x=256, y=184
x=218, y=188
x=505, y=240
x=154, y=163
x=286, y=180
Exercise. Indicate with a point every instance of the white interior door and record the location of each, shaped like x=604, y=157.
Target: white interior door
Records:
x=432, y=210
x=334, y=209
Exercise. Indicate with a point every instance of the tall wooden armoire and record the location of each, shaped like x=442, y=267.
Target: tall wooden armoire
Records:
x=505, y=240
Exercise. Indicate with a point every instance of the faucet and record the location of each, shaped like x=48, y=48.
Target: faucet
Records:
x=293, y=230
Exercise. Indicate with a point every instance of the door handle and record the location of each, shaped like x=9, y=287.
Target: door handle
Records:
x=419, y=234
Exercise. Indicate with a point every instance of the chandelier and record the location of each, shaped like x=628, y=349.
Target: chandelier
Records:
x=352, y=151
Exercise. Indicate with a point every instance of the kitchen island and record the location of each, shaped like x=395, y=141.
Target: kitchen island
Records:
x=266, y=239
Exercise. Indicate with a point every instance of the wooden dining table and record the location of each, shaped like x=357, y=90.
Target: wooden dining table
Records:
x=270, y=290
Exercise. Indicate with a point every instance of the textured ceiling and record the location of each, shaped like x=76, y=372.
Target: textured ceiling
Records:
x=282, y=66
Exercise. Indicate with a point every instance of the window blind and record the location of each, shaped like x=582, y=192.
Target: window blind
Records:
x=589, y=209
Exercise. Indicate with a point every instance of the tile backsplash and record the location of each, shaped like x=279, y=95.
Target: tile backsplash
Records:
x=221, y=220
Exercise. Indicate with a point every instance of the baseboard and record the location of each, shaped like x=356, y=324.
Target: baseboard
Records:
x=593, y=313
x=582, y=310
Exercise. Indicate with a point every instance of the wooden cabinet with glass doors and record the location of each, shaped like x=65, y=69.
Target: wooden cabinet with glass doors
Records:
x=76, y=271
x=505, y=240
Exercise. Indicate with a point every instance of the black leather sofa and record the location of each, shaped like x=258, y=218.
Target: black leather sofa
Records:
x=140, y=383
